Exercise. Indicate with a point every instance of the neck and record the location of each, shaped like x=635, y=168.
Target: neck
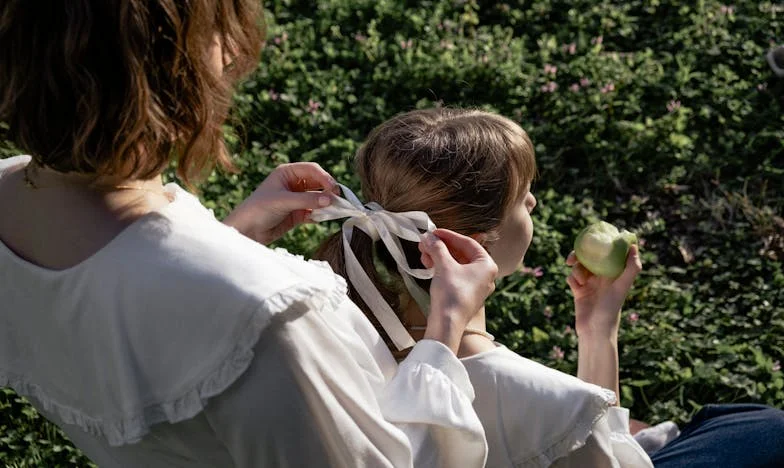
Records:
x=471, y=344
x=38, y=176
x=93, y=185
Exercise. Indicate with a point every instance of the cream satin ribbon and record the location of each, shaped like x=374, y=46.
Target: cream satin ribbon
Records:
x=388, y=227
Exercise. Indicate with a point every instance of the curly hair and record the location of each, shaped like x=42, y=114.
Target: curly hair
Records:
x=121, y=88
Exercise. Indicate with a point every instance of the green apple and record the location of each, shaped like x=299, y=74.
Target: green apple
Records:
x=602, y=249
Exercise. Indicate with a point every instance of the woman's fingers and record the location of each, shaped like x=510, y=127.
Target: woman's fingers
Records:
x=296, y=201
x=457, y=256
x=305, y=176
x=462, y=248
x=427, y=261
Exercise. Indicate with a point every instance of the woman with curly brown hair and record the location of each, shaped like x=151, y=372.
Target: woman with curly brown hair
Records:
x=152, y=333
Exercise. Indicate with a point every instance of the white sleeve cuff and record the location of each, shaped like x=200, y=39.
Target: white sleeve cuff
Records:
x=618, y=419
x=438, y=355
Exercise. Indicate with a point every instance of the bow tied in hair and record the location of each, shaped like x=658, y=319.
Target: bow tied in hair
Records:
x=389, y=228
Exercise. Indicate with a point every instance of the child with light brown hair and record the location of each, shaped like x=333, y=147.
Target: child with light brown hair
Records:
x=471, y=171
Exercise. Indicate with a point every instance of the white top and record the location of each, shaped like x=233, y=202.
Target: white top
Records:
x=184, y=343
x=535, y=416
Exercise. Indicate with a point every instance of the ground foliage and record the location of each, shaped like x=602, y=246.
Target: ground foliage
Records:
x=660, y=116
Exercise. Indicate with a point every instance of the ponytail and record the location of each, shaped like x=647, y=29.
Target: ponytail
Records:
x=331, y=251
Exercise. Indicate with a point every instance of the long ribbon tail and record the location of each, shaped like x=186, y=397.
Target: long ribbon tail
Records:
x=388, y=227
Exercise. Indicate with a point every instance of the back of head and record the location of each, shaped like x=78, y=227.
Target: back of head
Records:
x=464, y=168
x=119, y=87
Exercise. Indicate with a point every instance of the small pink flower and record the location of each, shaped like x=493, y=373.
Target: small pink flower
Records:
x=557, y=353
x=633, y=317
x=762, y=87
x=574, y=88
x=727, y=9
x=448, y=45
x=549, y=87
x=484, y=59
x=281, y=39
x=550, y=69
x=359, y=37
x=568, y=330
x=406, y=44
x=585, y=82
x=535, y=272
x=570, y=49
x=548, y=312
x=673, y=105
x=313, y=106
x=598, y=40
x=608, y=88
x=776, y=366
x=274, y=96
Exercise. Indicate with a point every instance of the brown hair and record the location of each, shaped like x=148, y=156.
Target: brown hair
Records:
x=120, y=87
x=464, y=168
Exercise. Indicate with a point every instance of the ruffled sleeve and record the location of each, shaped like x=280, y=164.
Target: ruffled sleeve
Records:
x=430, y=398
x=609, y=445
x=13, y=161
x=535, y=416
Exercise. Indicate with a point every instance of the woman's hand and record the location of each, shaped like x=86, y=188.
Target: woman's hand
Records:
x=283, y=201
x=464, y=277
x=597, y=299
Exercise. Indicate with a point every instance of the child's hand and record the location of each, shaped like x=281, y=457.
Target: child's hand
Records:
x=597, y=299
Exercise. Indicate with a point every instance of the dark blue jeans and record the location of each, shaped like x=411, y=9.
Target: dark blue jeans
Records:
x=728, y=436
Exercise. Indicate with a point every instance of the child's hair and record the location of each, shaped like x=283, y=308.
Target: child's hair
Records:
x=464, y=168
x=119, y=87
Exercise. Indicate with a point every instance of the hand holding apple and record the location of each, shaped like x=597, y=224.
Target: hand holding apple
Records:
x=600, y=286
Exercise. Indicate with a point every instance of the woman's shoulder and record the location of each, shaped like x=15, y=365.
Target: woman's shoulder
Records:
x=187, y=248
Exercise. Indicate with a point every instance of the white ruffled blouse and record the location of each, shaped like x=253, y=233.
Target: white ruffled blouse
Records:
x=535, y=416
x=184, y=343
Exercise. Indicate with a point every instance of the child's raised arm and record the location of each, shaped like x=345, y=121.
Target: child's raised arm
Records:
x=597, y=305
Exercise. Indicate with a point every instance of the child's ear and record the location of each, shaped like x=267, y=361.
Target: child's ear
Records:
x=480, y=237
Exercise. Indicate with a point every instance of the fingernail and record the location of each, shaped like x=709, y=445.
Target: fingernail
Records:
x=428, y=239
x=324, y=201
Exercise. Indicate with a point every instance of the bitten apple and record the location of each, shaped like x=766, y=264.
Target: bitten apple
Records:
x=602, y=249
